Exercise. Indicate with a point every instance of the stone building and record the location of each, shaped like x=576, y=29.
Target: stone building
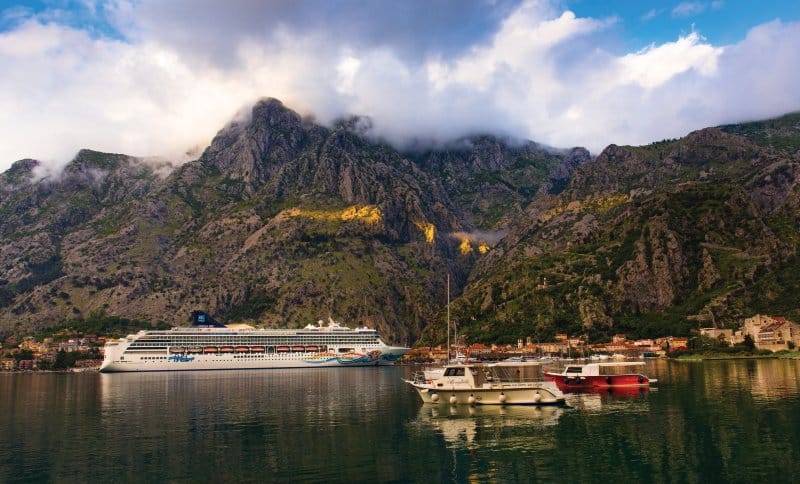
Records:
x=718, y=334
x=772, y=333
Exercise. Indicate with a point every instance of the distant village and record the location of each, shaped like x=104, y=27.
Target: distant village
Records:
x=767, y=333
x=71, y=350
x=63, y=350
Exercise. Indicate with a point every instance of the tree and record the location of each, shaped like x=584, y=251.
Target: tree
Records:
x=749, y=342
x=23, y=355
x=61, y=360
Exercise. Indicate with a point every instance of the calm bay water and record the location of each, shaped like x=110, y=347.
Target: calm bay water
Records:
x=729, y=421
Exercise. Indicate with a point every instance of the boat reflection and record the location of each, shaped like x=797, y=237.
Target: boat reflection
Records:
x=467, y=425
x=616, y=392
x=611, y=399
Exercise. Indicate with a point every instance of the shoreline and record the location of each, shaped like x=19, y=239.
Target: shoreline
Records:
x=793, y=355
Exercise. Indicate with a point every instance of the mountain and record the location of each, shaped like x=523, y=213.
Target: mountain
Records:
x=279, y=222
x=651, y=240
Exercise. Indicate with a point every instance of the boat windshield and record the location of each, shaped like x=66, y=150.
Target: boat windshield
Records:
x=454, y=372
x=574, y=369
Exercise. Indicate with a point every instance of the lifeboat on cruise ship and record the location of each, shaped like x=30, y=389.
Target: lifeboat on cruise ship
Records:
x=282, y=349
x=226, y=349
x=257, y=349
x=194, y=349
x=312, y=349
x=176, y=349
x=210, y=349
x=243, y=349
x=298, y=348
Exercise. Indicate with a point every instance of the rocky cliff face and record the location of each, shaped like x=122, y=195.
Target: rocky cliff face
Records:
x=648, y=240
x=279, y=222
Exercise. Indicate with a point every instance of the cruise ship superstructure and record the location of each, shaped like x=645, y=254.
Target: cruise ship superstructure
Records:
x=216, y=347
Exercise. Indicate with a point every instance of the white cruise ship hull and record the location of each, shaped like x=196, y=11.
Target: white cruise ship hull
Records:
x=242, y=362
x=223, y=348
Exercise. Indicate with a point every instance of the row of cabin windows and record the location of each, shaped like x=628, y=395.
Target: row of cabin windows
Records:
x=261, y=336
x=259, y=342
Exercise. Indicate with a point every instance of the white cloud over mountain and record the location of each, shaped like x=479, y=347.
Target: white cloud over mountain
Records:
x=182, y=69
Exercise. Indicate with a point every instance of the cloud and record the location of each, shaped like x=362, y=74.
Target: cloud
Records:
x=166, y=84
x=67, y=91
x=212, y=31
x=688, y=9
x=650, y=15
x=655, y=65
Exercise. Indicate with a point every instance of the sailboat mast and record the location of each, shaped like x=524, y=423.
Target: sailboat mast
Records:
x=448, y=318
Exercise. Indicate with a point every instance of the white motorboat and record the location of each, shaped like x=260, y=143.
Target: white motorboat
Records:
x=485, y=384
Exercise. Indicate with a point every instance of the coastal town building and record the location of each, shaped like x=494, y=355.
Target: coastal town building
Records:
x=772, y=333
x=719, y=334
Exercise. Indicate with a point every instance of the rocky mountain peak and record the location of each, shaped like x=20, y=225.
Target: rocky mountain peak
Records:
x=20, y=167
x=20, y=173
x=272, y=112
x=249, y=149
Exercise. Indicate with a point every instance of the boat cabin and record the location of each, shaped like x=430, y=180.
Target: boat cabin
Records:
x=597, y=369
x=478, y=375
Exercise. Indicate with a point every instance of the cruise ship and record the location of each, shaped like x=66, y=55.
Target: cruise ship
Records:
x=209, y=345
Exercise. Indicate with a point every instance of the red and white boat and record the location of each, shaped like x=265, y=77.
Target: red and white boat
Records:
x=598, y=376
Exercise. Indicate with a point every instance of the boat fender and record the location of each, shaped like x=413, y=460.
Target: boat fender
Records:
x=641, y=379
x=608, y=380
x=471, y=399
x=566, y=381
x=537, y=397
x=502, y=398
x=435, y=397
x=453, y=399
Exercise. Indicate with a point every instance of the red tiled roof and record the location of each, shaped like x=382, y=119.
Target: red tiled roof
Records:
x=771, y=327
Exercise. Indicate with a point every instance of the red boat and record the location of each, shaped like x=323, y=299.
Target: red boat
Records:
x=598, y=376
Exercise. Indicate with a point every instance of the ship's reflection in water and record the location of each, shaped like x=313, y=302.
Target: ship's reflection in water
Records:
x=316, y=424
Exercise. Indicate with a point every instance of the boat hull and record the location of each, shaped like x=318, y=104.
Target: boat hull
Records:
x=532, y=395
x=597, y=382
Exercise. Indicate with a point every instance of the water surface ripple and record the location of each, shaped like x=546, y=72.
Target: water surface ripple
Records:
x=722, y=421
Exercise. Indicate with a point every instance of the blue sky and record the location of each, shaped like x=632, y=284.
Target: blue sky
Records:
x=720, y=22
x=160, y=77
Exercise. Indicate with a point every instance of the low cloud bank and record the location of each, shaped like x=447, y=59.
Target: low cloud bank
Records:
x=529, y=71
